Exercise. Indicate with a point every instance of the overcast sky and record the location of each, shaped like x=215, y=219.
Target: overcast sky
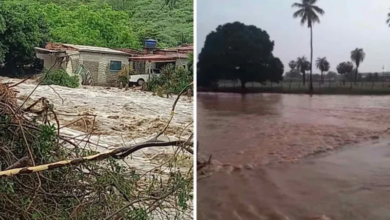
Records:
x=346, y=24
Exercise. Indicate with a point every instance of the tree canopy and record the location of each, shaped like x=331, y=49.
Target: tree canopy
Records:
x=21, y=29
x=345, y=68
x=238, y=51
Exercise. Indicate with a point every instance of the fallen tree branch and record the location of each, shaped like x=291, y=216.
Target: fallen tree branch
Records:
x=112, y=153
x=172, y=112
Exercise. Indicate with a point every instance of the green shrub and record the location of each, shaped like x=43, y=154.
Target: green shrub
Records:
x=171, y=80
x=60, y=77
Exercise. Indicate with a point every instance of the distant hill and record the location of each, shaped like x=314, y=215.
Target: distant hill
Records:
x=115, y=23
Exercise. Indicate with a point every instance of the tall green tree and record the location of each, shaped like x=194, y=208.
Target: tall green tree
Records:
x=303, y=65
x=238, y=51
x=323, y=65
x=21, y=29
x=357, y=56
x=308, y=12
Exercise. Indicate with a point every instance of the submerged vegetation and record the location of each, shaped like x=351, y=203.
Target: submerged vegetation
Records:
x=59, y=77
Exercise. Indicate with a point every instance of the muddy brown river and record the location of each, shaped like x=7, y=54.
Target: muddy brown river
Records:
x=294, y=157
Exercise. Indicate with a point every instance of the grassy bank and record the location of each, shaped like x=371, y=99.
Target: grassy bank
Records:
x=334, y=88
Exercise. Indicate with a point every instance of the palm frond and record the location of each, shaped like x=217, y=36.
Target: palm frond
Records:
x=318, y=62
x=304, y=19
x=301, y=62
x=314, y=18
x=318, y=9
x=322, y=63
x=326, y=66
x=362, y=55
x=297, y=5
x=299, y=13
x=357, y=56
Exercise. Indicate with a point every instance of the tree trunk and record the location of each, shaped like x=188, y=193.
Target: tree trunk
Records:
x=351, y=83
x=311, y=61
x=356, y=74
x=243, y=85
x=303, y=77
x=322, y=79
x=383, y=79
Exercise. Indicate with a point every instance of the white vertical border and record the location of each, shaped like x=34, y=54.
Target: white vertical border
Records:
x=195, y=60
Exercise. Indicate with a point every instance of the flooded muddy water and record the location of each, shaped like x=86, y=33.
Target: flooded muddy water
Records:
x=294, y=157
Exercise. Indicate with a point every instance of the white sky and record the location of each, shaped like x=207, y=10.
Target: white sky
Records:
x=346, y=24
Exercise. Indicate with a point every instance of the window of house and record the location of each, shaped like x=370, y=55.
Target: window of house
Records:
x=115, y=66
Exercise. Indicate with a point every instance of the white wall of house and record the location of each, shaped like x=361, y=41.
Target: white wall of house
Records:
x=72, y=61
x=49, y=60
x=101, y=63
x=97, y=63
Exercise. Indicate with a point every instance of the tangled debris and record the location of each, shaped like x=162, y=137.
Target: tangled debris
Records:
x=45, y=174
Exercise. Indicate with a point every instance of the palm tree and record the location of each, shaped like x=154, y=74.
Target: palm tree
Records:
x=308, y=14
x=326, y=66
x=302, y=66
x=307, y=67
x=323, y=65
x=292, y=64
x=341, y=70
x=357, y=56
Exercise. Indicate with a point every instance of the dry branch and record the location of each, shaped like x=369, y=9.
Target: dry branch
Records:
x=116, y=153
x=43, y=188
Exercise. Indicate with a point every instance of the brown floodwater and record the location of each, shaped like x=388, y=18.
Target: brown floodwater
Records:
x=279, y=156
